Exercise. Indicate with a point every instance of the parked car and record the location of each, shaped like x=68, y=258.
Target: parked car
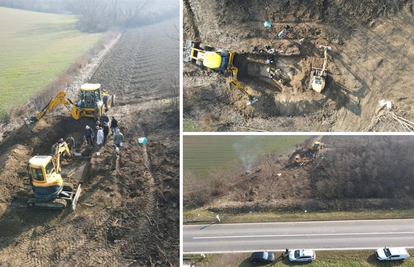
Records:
x=262, y=257
x=301, y=255
x=392, y=254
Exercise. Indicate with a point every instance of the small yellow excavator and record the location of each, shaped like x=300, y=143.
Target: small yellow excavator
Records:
x=215, y=59
x=304, y=155
x=92, y=98
x=318, y=75
x=47, y=184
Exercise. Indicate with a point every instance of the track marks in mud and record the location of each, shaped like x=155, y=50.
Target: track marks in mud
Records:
x=190, y=17
x=145, y=69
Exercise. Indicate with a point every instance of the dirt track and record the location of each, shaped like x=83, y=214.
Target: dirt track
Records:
x=125, y=218
x=371, y=59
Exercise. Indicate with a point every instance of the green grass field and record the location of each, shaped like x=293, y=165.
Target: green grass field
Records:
x=203, y=153
x=34, y=49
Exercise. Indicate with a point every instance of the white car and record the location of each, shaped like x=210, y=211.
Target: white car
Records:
x=302, y=255
x=392, y=254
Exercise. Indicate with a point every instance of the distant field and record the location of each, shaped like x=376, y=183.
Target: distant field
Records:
x=202, y=153
x=34, y=49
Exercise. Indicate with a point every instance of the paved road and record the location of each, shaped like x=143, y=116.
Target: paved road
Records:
x=333, y=235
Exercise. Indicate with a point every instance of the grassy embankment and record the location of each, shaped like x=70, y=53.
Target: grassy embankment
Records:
x=204, y=216
x=35, y=49
x=323, y=259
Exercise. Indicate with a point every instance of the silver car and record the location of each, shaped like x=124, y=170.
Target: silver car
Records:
x=301, y=255
x=392, y=254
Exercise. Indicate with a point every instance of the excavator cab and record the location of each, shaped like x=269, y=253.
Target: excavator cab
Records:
x=92, y=97
x=46, y=183
x=317, y=146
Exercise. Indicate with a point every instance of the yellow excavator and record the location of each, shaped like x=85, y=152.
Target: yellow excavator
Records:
x=304, y=155
x=233, y=80
x=215, y=59
x=318, y=75
x=47, y=184
x=92, y=98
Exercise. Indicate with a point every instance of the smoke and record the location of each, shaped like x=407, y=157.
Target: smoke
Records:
x=247, y=151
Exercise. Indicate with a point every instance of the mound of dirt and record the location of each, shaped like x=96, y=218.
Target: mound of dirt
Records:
x=369, y=60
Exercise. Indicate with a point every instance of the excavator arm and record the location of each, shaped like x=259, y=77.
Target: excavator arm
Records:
x=233, y=70
x=62, y=148
x=59, y=98
x=325, y=61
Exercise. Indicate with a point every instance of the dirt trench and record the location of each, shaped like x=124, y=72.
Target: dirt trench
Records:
x=129, y=217
x=369, y=60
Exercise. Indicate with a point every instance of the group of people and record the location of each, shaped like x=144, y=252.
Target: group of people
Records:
x=103, y=127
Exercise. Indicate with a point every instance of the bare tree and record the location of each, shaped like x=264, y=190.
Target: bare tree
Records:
x=93, y=15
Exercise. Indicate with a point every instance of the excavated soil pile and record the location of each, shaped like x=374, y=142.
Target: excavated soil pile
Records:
x=350, y=173
x=128, y=217
x=370, y=59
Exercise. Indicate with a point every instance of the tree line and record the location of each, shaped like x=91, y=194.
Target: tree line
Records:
x=99, y=15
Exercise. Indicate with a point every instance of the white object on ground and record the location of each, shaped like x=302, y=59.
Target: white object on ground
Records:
x=218, y=218
x=279, y=174
x=385, y=103
x=267, y=24
x=389, y=104
x=142, y=140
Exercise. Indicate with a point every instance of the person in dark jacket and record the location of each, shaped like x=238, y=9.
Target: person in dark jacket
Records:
x=103, y=119
x=71, y=142
x=114, y=125
x=54, y=148
x=106, y=132
x=88, y=135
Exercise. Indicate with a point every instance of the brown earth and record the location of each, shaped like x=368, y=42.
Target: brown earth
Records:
x=351, y=173
x=371, y=59
x=129, y=217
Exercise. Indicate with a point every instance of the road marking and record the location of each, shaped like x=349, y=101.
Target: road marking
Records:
x=308, y=222
x=299, y=235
